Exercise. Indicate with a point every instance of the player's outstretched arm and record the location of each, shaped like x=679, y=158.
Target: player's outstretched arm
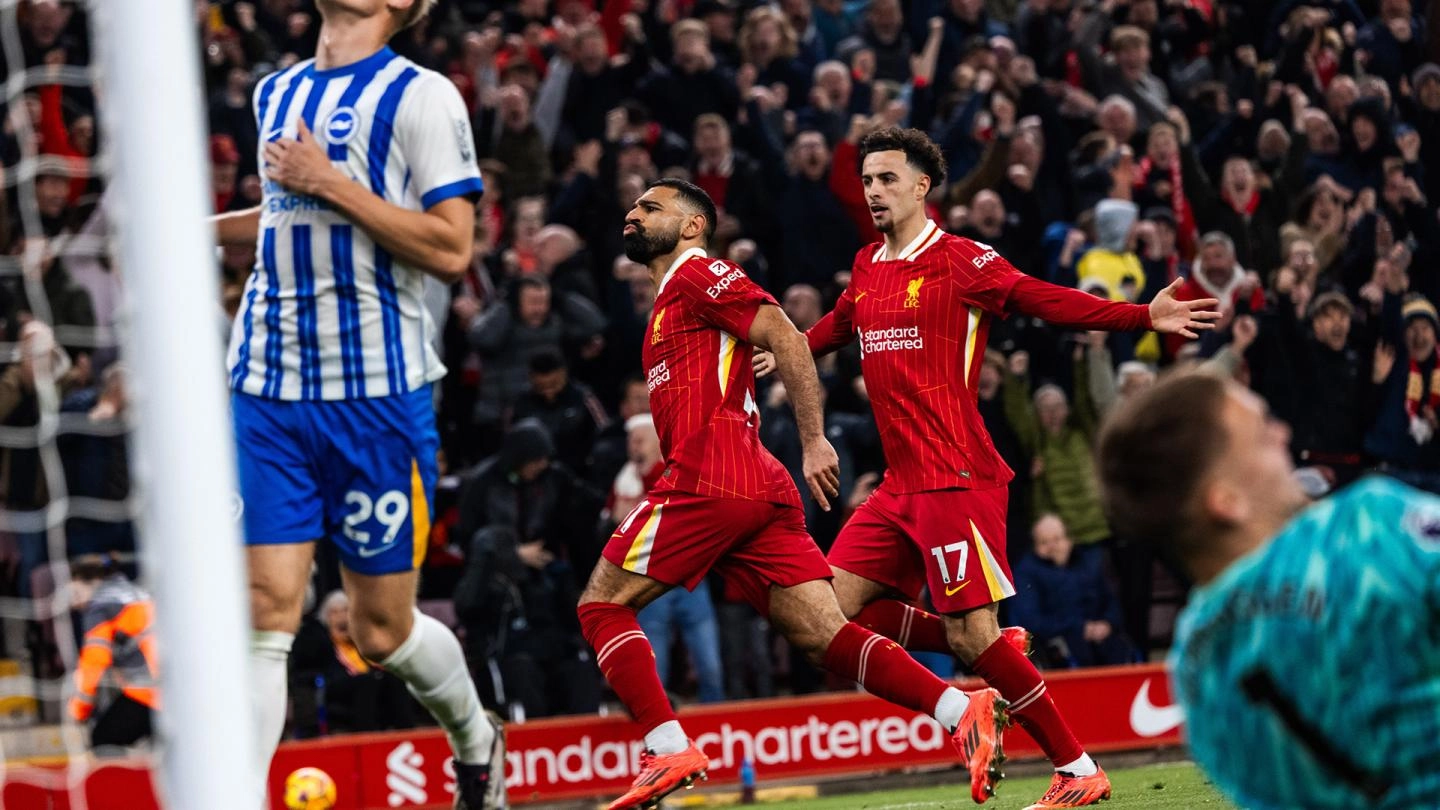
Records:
x=237, y=227
x=1068, y=307
x=772, y=331
x=437, y=241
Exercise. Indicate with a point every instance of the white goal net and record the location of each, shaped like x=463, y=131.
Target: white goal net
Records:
x=121, y=629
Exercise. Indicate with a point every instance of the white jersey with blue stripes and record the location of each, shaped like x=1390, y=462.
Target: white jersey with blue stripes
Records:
x=328, y=314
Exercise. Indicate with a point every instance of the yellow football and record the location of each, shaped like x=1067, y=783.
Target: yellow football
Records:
x=309, y=789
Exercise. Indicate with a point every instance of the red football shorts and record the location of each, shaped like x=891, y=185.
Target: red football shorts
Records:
x=678, y=538
x=952, y=540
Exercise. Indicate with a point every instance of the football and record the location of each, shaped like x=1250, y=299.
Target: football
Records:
x=309, y=789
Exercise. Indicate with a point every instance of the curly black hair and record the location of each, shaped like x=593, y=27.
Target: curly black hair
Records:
x=920, y=152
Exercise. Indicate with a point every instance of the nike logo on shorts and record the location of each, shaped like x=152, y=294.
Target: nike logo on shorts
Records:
x=956, y=589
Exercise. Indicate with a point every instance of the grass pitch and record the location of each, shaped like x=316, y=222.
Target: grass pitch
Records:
x=1178, y=785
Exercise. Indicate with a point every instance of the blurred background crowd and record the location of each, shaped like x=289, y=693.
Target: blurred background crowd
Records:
x=1272, y=154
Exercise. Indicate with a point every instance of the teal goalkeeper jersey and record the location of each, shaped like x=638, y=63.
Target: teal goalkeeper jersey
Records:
x=1334, y=624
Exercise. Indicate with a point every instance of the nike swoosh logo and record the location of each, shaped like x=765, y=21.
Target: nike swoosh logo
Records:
x=371, y=552
x=1149, y=720
x=861, y=294
x=956, y=589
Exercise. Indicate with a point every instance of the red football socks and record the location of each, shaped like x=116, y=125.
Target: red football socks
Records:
x=627, y=661
x=883, y=668
x=1009, y=671
x=910, y=627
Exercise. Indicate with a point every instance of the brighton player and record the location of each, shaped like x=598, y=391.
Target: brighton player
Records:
x=1306, y=659
x=370, y=182
x=724, y=503
x=921, y=303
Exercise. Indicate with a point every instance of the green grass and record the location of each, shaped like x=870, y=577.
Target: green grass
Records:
x=1155, y=787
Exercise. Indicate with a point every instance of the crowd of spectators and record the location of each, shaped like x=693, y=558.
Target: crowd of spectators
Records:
x=1271, y=153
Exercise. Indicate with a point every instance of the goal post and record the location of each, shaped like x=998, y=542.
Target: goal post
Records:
x=183, y=455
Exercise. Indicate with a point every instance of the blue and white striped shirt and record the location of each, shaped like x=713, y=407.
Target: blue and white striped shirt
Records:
x=328, y=314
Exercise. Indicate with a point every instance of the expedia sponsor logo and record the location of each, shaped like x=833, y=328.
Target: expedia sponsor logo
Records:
x=279, y=200
x=985, y=258
x=894, y=339
x=657, y=376
x=723, y=284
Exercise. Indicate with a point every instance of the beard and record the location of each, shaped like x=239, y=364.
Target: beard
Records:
x=885, y=223
x=643, y=246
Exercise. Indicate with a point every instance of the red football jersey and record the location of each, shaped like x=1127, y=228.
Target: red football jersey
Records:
x=702, y=387
x=923, y=319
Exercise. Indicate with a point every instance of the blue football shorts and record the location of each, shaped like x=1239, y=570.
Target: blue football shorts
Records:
x=360, y=473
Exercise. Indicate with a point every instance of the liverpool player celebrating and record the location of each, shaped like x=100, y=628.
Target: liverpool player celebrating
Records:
x=921, y=304
x=725, y=503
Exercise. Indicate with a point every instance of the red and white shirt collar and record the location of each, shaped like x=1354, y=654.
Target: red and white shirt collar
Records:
x=929, y=235
x=675, y=265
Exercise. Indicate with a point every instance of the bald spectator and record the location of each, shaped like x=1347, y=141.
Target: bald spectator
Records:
x=1062, y=596
x=1116, y=118
x=831, y=105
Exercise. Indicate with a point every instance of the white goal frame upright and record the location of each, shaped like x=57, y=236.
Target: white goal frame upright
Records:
x=183, y=454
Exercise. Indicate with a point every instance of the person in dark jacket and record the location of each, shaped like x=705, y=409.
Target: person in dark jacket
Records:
x=336, y=690
x=610, y=451
x=510, y=331
x=1063, y=598
x=525, y=521
x=1313, y=373
x=1246, y=210
x=1406, y=391
x=693, y=84
x=817, y=237
x=568, y=409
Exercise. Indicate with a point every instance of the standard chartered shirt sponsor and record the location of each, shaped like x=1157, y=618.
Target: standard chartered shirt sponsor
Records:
x=657, y=376
x=894, y=339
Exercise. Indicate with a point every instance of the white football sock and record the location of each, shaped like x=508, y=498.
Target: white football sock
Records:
x=667, y=738
x=269, y=679
x=1084, y=766
x=950, y=708
x=432, y=665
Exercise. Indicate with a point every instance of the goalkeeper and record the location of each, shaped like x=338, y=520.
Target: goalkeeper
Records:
x=1307, y=660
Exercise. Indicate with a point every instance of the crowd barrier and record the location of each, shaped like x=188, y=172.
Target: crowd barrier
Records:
x=837, y=734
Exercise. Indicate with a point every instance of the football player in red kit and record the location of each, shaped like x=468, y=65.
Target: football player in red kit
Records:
x=724, y=503
x=921, y=304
